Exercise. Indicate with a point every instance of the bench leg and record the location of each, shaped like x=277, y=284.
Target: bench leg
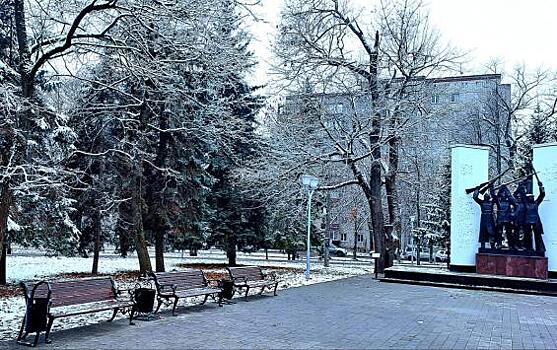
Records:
x=159, y=303
x=275, y=291
x=48, y=328
x=132, y=312
x=205, y=300
x=220, y=299
x=247, y=291
x=36, y=341
x=174, y=307
x=19, y=336
x=114, y=313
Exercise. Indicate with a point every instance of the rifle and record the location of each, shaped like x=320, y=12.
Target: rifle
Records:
x=514, y=181
x=535, y=173
x=485, y=185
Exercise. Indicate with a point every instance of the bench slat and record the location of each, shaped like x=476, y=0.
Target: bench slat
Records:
x=73, y=292
x=96, y=307
x=247, y=272
x=182, y=280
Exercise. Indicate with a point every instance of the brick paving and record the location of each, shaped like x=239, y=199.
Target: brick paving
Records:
x=353, y=313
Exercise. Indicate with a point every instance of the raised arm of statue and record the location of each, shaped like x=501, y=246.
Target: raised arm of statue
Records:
x=476, y=196
x=541, y=196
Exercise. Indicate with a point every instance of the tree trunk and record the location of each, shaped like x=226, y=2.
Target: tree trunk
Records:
x=375, y=181
x=140, y=242
x=26, y=81
x=354, y=256
x=231, y=249
x=5, y=203
x=123, y=239
x=372, y=191
x=157, y=184
x=3, y=271
x=391, y=188
x=97, y=245
x=159, y=251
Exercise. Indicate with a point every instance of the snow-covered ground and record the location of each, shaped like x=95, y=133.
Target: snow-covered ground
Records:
x=27, y=264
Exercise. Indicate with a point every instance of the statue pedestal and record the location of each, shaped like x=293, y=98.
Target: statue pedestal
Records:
x=512, y=265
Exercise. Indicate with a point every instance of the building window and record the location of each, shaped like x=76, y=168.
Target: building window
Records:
x=339, y=108
x=360, y=237
x=454, y=97
x=343, y=237
x=435, y=99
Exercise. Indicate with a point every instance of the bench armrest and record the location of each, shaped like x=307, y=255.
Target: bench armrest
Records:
x=272, y=275
x=239, y=279
x=213, y=282
x=164, y=287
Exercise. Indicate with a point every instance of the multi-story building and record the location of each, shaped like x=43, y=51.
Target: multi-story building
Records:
x=435, y=114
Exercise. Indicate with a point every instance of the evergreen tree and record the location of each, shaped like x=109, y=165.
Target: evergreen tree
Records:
x=238, y=220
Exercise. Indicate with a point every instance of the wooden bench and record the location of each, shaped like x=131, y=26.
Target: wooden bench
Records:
x=76, y=297
x=184, y=284
x=252, y=277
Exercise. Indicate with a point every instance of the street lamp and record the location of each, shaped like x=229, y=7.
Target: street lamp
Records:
x=310, y=184
x=412, y=218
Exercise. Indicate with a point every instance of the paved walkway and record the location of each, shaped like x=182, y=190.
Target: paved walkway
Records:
x=353, y=313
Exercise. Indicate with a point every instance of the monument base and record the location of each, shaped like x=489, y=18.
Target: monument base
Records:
x=512, y=265
x=506, y=251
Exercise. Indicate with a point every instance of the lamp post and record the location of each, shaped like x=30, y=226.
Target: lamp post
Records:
x=412, y=218
x=310, y=184
x=327, y=233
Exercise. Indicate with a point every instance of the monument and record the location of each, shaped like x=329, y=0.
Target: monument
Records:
x=508, y=227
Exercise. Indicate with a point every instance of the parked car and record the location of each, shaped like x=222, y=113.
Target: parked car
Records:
x=406, y=253
x=249, y=249
x=412, y=253
x=334, y=251
x=337, y=251
x=440, y=255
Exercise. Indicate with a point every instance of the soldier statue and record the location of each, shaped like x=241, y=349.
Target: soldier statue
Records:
x=506, y=205
x=520, y=215
x=532, y=222
x=487, y=224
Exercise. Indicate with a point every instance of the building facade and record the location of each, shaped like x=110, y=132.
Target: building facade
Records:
x=434, y=114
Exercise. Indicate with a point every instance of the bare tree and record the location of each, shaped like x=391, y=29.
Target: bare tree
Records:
x=325, y=45
x=531, y=89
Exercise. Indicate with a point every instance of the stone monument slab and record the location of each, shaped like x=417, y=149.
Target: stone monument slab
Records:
x=545, y=163
x=469, y=167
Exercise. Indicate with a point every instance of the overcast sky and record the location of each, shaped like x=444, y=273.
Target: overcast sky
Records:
x=516, y=31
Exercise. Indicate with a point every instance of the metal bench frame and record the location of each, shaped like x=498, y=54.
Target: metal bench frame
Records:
x=249, y=277
x=68, y=293
x=184, y=284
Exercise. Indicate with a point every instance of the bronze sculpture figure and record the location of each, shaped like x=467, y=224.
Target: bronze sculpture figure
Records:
x=487, y=223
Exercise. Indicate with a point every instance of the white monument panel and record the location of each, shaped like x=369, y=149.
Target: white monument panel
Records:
x=469, y=168
x=545, y=163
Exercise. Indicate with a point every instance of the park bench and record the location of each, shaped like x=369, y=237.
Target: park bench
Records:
x=74, y=297
x=184, y=284
x=252, y=277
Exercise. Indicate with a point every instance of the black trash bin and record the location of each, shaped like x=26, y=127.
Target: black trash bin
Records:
x=227, y=289
x=36, y=312
x=144, y=299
